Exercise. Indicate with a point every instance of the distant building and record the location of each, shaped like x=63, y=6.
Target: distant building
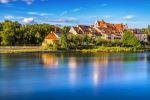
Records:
x=82, y=29
x=110, y=31
x=140, y=35
x=107, y=31
x=52, y=38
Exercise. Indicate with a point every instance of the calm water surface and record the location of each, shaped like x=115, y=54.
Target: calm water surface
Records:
x=34, y=76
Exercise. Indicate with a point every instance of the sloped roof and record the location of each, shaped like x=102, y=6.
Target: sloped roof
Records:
x=101, y=23
x=77, y=30
x=52, y=36
x=85, y=29
x=109, y=28
x=109, y=25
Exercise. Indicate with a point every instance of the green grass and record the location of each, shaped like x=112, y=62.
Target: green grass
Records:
x=27, y=49
x=111, y=49
x=20, y=49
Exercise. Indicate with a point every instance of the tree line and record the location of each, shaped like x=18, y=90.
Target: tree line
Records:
x=14, y=33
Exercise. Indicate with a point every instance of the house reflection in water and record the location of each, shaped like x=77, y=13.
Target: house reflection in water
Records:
x=109, y=69
x=50, y=60
x=72, y=63
x=99, y=69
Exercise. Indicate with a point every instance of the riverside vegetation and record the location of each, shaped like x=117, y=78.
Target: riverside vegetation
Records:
x=16, y=34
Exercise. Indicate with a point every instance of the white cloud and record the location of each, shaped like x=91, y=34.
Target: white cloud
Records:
x=39, y=14
x=46, y=14
x=29, y=2
x=10, y=17
x=4, y=1
x=107, y=16
x=128, y=17
x=63, y=13
x=65, y=20
x=28, y=20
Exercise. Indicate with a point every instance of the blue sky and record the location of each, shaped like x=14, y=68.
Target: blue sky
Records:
x=135, y=13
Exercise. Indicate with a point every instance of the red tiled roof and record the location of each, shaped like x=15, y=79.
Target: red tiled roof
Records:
x=109, y=28
x=101, y=23
x=52, y=36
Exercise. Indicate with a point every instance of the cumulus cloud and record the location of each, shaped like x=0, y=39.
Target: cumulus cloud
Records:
x=128, y=17
x=28, y=20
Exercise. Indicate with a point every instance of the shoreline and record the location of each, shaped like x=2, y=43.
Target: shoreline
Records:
x=36, y=49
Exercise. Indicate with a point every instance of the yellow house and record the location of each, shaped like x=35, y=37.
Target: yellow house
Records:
x=50, y=39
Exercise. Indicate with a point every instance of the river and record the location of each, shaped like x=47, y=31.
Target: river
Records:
x=75, y=76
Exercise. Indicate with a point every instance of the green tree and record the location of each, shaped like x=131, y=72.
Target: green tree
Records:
x=87, y=40
x=65, y=29
x=64, y=41
x=130, y=40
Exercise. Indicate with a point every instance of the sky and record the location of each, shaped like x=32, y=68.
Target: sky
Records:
x=135, y=13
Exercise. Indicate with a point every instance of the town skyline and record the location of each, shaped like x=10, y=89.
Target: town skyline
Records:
x=72, y=13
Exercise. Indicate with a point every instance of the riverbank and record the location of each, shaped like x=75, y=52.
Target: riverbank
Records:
x=111, y=49
x=32, y=49
x=20, y=49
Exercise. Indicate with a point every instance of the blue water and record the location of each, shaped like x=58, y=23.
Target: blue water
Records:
x=67, y=76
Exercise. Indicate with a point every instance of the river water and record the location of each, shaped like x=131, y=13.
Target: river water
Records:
x=68, y=76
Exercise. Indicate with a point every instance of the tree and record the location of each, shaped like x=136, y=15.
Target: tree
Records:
x=87, y=40
x=13, y=33
x=64, y=41
x=65, y=29
x=130, y=40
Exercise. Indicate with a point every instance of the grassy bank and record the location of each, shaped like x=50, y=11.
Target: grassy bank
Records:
x=20, y=49
x=111, y=49
x=31, y=49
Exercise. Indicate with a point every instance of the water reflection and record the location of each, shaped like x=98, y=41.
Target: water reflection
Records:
x=67, y=71
x=100, y=69
x=50, y=61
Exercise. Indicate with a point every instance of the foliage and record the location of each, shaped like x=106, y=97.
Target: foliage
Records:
x=87, y=40
x=65, y=29
x=64, y=41
x=109, y=49
x=13, y=33
x=130, y=40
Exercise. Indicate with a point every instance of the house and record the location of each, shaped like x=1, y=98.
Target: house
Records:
x=140, y=35
x=51, y=38
x=109, y=31
x=82, y=30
